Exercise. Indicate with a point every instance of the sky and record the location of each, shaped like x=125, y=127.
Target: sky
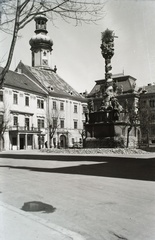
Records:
x=76, y=50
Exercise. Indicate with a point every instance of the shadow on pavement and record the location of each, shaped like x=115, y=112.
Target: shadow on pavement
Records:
x=50, y=157
x=97, y=158
x=139, y=169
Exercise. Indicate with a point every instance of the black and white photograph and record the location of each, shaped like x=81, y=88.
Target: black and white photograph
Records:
x=77, y=119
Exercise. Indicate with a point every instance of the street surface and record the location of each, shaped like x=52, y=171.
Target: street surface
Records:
x=98, y=197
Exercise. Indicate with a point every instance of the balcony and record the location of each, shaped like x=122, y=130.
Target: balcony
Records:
x=28, y=129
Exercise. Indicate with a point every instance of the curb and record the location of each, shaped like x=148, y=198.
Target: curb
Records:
x=48, y=154
x=68, y=233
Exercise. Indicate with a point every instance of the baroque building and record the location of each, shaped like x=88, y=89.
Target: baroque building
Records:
x=147, y=110
x=41, y=107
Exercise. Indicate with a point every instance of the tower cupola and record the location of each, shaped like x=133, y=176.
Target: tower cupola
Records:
x=41, y=21
x=41, y=44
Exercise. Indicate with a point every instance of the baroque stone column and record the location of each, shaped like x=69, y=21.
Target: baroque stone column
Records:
x=107, y=50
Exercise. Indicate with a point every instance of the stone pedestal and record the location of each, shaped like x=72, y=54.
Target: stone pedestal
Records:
x=105, y=134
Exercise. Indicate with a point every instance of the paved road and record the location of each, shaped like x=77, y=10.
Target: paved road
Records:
x=99, y=197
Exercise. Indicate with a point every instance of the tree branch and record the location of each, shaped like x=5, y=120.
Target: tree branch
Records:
x=14, y=39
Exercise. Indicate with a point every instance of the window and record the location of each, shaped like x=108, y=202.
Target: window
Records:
x=75, y=124
x=27, y=123
x=1, y=96
x=26, y=100
x=61, y=106
x=75, y=108
x=40, y=103
x=29, y=140
x=15, y=98
x=1, y=119
x=41, y=123
x=55, y=121
x=72, y=140
x=15, y=120
x=62, y=124
x=84, y=109
x=14, y=141
x=152, y=103
x=153, y=130
x=45, y=62
x=54, y=105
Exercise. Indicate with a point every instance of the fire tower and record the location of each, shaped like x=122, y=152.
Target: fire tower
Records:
x=41, y=44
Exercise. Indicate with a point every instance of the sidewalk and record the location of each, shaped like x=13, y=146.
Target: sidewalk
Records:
x=16, y=224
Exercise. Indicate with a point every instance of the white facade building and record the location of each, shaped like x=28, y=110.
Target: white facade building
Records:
x=38, y=106
x=24, y=105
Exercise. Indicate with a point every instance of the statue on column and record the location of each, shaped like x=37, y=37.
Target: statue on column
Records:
x=107, y=50
x=108, y=89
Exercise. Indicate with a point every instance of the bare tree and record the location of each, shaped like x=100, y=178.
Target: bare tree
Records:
x=16, y=14
x=82, y=132
x=132, y=118
x=52, y=123
x=4, y=122
x=145, y=119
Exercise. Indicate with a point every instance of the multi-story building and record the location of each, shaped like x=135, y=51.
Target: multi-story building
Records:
x=126, y=90
x=24, y=105
x=40, y=106
x=147, y=110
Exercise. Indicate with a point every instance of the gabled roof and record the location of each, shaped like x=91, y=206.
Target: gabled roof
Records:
x=21, y=82
x=51, y=81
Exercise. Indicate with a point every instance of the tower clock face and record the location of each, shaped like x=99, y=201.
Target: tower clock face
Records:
x=45, y=62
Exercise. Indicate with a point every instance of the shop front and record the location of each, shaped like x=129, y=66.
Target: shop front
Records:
x=24, y=139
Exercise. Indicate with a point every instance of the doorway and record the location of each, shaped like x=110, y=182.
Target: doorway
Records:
x=22, y=142
x=63, y=141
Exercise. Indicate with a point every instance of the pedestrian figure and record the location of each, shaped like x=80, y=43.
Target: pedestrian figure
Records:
x=46, y=144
